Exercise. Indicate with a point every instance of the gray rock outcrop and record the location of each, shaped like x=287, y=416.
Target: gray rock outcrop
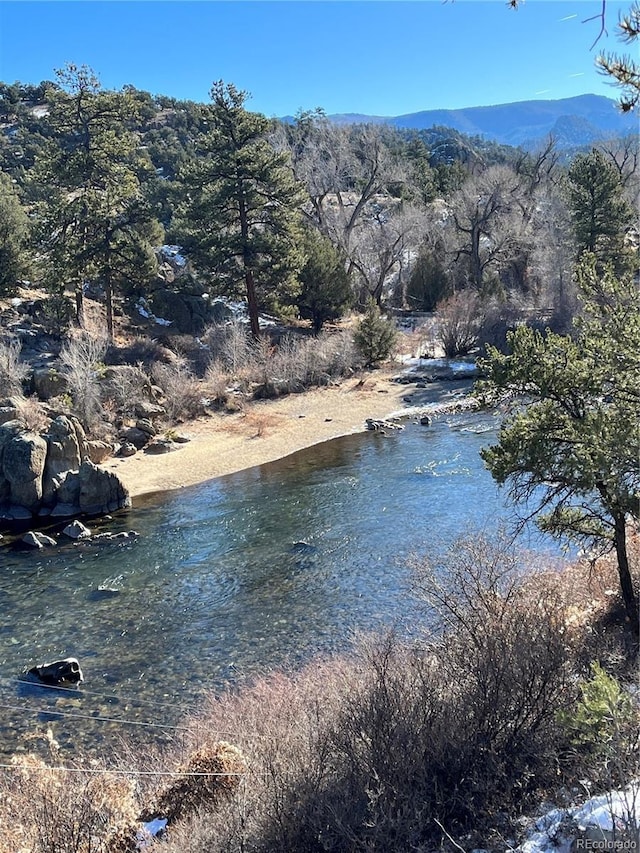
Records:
x=52, y=474
x=23, y=455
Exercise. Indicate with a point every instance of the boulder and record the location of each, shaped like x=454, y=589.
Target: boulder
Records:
x=189, y=313
x=127, y=449
x=8, y=431
x=101, y=491
x=134, y=436
x=145, y=425
x=160, y=445
x=425, y=420
x=64, y=510
x=16, y=513
x=35, y=539
x=23, y=462
x=143, y=409
x=63, y=455
x=59, y=673
x=98, y=451
x=77, y=530
x=9, y=413
x=47, y=382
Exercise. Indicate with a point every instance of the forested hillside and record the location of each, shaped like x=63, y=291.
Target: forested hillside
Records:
x=306, y=218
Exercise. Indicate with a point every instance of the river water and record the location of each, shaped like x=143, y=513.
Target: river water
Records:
x=243, y=574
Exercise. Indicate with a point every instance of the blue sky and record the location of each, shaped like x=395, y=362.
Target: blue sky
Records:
x=386, y=57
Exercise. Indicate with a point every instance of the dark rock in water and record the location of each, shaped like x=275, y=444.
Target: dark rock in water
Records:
x=60, y=673
x=425, y=420
x=101, y=592
x=303, y=548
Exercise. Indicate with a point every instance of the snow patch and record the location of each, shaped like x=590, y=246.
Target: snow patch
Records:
x=603, y=817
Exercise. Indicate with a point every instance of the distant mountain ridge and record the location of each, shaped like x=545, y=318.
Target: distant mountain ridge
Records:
x=575, y=121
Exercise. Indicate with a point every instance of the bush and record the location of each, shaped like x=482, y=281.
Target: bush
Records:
x=209, y=776
x=127, y=386
x=83, y=357
x=54, y=810
x=402, y=744
x=297, y=363
x=604, y=727
x=375, y=335
x=13, y=372
x=56, y=313
x=459, y=320
x=229, y=344
x=183, y=391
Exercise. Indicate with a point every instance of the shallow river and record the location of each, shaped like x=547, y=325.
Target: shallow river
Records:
x=248, y=572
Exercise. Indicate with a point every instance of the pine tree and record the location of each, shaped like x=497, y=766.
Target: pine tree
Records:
x=570, y=448
x=600, y=212
x=326, y=291
x=240, y=213
x=375, y=335
x=14, y=227
x=92, y=221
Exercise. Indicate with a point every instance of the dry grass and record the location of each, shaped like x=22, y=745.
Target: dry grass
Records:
x=55, y=811
x=254, y=423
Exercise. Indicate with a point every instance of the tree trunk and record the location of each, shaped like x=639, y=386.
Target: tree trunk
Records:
x=79, y=295
x=108, y=298
x=624, y=573
x=252, y=303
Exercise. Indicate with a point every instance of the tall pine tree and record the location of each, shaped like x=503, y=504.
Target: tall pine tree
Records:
x=599, y=210
x=92, y=221
x=239, y=218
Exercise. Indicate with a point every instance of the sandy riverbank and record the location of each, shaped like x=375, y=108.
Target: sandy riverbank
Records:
x=267, y=430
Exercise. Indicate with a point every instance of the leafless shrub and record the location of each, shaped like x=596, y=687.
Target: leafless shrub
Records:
x=141, y=351
x=33, y=413
x=82, y=355
x=459, y=318
x=299, y=363
x=126, y=386
x=229, y=344
x=184, y=392
x=217, y=382
x=53, y=810
x=13, y=372
x=395, y=748
x=209, y=775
